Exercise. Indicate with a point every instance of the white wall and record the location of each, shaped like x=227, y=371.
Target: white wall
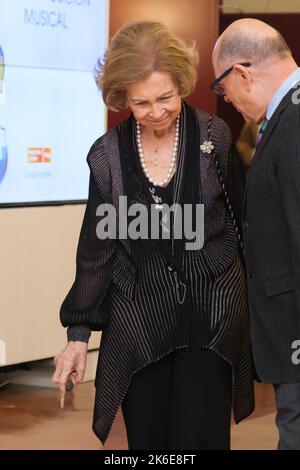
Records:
x=261, y=6
x=37, y=267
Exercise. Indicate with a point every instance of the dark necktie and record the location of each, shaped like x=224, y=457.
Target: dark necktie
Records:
x=262, y=130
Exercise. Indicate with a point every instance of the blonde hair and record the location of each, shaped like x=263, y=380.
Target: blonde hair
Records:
x=136, y=51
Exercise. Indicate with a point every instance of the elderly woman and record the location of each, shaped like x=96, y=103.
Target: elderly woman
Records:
x=175, y=350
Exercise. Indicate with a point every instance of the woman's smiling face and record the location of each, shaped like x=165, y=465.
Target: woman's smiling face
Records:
x=155, y=101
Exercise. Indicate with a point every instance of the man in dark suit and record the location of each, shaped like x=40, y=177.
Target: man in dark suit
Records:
x=258, y=75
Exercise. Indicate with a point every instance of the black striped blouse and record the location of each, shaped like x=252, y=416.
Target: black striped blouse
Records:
x=145, y=321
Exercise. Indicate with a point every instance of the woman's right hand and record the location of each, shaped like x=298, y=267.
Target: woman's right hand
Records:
x=70, y=364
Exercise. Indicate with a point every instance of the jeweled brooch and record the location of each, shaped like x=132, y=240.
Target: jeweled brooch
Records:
x=207, y=146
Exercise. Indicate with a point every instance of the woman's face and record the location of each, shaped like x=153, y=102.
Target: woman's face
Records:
x=155, y=101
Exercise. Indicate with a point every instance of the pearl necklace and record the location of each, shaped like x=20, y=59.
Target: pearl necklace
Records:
x=142, y=160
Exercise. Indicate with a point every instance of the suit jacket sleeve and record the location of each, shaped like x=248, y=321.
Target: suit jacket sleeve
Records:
x=82, y=305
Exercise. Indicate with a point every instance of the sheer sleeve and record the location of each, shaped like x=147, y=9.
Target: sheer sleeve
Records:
x=85, y=302
x=79, y=333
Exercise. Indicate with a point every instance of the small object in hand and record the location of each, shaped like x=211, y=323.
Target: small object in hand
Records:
x=69, y=385
x=62, y=399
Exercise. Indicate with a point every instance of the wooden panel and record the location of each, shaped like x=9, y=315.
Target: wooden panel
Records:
x=37, y=253
x=189, y=19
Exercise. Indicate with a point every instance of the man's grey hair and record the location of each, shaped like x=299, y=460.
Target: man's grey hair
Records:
x=257, y=49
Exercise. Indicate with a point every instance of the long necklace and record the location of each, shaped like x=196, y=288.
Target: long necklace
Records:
x=155, y=160
x=173, y=160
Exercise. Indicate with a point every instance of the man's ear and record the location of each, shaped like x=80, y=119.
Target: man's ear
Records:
x=244, y=74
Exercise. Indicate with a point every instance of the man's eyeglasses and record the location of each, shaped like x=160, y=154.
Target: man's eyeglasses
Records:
x=217, y=86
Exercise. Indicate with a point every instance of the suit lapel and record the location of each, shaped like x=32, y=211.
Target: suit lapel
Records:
x=265, y=138
x=270, y=127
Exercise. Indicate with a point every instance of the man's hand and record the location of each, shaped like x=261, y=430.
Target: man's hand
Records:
x=70, y=364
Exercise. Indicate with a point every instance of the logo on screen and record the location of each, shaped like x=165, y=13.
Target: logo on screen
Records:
x=39, y=155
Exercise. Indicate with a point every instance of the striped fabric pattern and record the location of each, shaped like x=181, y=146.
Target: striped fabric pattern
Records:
x=145, y=323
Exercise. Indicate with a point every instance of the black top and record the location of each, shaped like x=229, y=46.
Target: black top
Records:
x=157, y=195
x=145, y=319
